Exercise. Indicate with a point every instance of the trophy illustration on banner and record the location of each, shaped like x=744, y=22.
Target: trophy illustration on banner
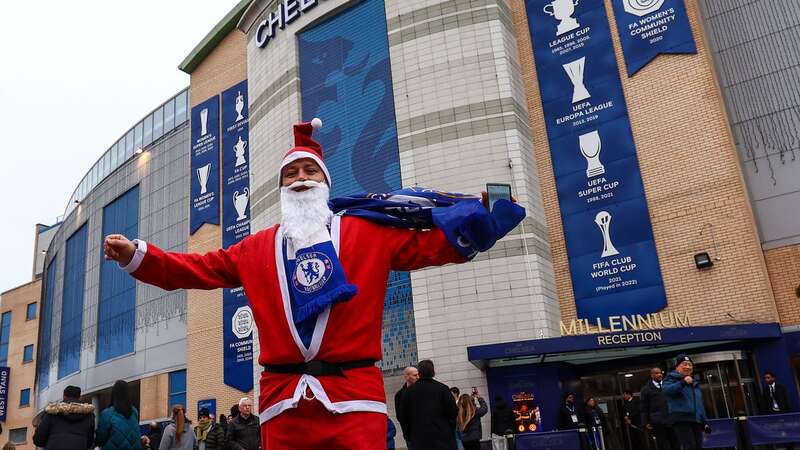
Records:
x=574, y=71
x=603, y=220
x=642, y=7
x=203, y=121
x=202, y=177
x=590, y=148
x=562, y=11
x=239, y=106
x=240, y=203
x=239, y=149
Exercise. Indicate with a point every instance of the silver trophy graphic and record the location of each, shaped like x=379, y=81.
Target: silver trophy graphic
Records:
x=203, y=121
x=239, y=106
x=240, y=203
x=642, y=7
x=590, y=148
x=603, y=220
x=239, y=151
x=562, y=11
x=574, y=71
x=202, y=177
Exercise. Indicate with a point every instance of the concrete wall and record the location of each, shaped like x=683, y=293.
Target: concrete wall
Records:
x=23, y=332
x=160, y=338
x=692, y=180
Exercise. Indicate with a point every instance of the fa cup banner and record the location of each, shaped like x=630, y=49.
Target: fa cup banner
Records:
x=648, y=28
x=609, y=239
x=204, y=207
x=237, y=316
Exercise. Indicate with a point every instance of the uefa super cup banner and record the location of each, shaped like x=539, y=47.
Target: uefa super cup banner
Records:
x=236, y=313
x=609, y=239
x=204, y=206
x=648, y=28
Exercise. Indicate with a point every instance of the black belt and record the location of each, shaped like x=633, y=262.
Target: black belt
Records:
x=319, y=368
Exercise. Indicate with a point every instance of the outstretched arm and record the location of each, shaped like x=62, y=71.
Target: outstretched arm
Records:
x=169, y=270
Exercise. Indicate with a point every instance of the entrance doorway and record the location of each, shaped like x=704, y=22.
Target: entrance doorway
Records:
x=726, y=380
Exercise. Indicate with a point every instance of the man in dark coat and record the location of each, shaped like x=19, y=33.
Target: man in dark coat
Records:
x=774, y=398
x=410, y=375
x=68, y=424
x=244, y=430
x=208, y=433
x=568, y=416
x=502, y=417
x=631, y=417
x=429, y=412
x=655, y=415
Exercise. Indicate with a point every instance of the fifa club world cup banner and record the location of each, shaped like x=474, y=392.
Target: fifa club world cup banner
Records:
x=609, y=240
x=648, y=28
x=5, y=375
x=204, y=207
x=236, y=313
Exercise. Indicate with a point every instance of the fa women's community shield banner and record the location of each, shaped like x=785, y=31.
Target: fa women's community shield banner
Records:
x=612, y=255
x=237, y=316
x=204, y=206
x=648, y=28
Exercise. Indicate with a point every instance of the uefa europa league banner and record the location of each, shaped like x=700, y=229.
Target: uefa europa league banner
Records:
x=609, y=240
x=204, y=206
x=237, y=316
x=648, y=28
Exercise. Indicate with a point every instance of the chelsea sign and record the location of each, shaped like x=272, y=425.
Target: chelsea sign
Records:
x=287, y=12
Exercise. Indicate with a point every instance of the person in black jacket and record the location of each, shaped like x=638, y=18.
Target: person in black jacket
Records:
x=596, y=422
x=411, y=375
x=209, y=434
x=243, y=430
x=568, y=416
x=774, y=398
x=631, y=421
x=429, y=412
x=469, y=420
x=66, y=425
x=655, y=415
x=502, y=417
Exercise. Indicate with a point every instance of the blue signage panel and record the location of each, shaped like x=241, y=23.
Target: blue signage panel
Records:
x=204, y=207
x=553, y=440
x=5, y=375
x=774, y=429
x=237, y=316
x=648, y=28
x=723, y=434
x=210, y=404
x=609, y=239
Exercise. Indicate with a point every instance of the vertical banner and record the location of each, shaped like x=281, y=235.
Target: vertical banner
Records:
x=5, y=375
x=648, y=28
x=609, y=240
x=204, y=206
x=210, y=404
x=237, y=316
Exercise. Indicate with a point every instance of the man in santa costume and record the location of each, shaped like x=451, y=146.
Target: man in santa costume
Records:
x=316, y=283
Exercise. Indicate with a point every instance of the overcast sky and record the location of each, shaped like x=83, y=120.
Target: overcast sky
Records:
x=74, y=76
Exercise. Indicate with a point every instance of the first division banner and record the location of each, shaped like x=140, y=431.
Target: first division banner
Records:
x=609, y=240
x=237, y=317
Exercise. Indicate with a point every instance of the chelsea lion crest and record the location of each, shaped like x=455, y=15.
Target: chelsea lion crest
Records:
x=312, y=272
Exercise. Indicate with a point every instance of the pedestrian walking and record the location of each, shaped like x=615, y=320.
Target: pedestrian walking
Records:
x=469, y=420
x=655, y=415
x=118, y=427
x=685, y=405
x=210, y=435
x=429, y=412
x=568, y=416
x=68, y=424
x=243, y=430
x=223, y=423
x=410, y=376
x=178, y=434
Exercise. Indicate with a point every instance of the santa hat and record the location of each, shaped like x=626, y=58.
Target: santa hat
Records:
x=306, y=147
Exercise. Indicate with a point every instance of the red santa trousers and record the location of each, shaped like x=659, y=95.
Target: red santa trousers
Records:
x=311, y=427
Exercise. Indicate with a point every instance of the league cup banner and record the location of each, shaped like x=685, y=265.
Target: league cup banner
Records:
x=648, y=28
x=236, y=313
x=5, y=375
x=204, y=206
x=609, y=239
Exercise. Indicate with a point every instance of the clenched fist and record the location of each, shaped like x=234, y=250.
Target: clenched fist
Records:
x=118, y=248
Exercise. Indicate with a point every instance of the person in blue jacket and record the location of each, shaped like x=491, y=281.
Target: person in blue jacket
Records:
x=685, y=404
x=391, y=432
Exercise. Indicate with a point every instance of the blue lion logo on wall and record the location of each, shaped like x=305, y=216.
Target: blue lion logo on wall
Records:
x=310, y=271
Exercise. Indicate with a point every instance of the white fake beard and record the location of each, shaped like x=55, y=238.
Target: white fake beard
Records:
x=304, y=215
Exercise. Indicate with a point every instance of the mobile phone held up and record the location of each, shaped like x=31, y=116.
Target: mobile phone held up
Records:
x=496, y=191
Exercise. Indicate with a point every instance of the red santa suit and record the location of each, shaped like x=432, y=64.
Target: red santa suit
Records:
x=301, y=410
